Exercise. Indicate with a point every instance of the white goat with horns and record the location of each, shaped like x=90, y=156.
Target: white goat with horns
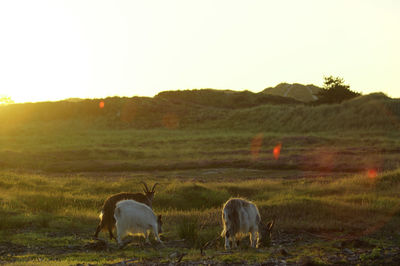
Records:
x=241, y=217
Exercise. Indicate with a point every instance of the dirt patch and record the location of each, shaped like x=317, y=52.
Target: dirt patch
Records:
x=287, y=248
x=11, y=249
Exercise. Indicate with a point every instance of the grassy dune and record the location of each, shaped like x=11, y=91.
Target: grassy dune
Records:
x=207, y=109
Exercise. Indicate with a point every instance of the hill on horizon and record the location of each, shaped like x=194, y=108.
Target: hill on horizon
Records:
x=299, y=92
x=207, y=109
x=224, y=98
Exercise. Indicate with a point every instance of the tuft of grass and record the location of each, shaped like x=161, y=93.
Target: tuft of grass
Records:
x=375, y=254
x=188, y=229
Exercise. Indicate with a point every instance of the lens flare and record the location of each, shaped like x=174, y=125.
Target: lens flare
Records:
x=101, y=104
x=372, y=173
x=277, y=151
x=170, y=121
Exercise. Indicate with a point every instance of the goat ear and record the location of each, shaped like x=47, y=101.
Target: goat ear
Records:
x=153, y=189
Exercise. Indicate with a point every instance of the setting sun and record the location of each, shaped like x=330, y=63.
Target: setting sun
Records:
x=53, y=50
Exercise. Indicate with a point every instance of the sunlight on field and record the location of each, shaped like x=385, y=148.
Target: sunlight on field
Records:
x=319, y=186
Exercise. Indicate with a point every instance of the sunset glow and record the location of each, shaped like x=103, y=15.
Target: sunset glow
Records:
x=56, y=49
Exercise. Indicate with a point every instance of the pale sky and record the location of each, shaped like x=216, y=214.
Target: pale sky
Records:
x=52, y=50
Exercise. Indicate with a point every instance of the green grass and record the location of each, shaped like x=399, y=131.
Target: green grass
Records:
x=60, y=161
x=60, y=213
x=105, y=150
x=205, y=109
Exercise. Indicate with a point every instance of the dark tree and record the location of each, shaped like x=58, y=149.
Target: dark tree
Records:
x=335, y=91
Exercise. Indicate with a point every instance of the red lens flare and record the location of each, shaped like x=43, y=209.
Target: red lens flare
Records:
x=277, y=151
x=101, y=105
x=372, y=173
x=170, y=121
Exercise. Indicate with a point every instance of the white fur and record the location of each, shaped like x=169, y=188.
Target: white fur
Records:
x=135, y=218
x=248, y=222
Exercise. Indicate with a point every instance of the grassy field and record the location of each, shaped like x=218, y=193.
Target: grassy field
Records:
x=328, y=175
x=52, y=218
x=327, y=192
x=69, y=150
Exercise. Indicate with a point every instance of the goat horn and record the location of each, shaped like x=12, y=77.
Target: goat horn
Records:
x=270, y=225
x=146, y=189
x=154, y=187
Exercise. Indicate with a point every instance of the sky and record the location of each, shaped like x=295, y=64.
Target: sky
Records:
x=53, y=50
